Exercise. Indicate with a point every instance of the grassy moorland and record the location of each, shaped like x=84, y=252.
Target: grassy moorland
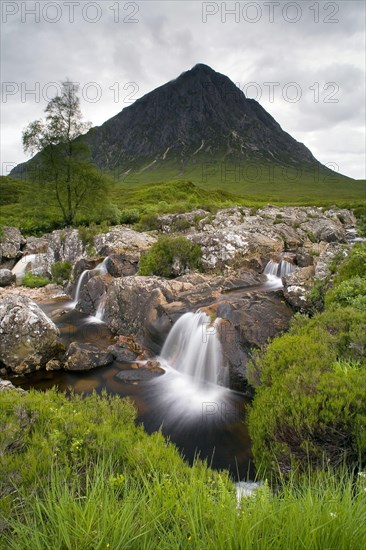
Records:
x=78, y=474
x=33, y=208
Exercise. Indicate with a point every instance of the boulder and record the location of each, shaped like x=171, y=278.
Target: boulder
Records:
x=36, y=245
x=6, y=277
x=325, y=229
x=29, y=339
x=234, y=246
x=80, y=357
x=121, y=265
x=296, y=287
x=327, y=255
x=65, y=245
x=6, y=386
x=122, y=240
x=249, y=321
x=11, y=243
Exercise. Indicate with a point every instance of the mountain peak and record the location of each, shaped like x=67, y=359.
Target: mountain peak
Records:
x=200, y=117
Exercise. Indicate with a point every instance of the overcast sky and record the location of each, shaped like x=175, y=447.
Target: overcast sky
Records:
x=303, y=61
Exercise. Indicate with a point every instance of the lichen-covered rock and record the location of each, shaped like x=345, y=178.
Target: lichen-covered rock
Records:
x=325, y=229
x=6, y=277
x=7, y=386
x=29, y=339
x=297, y=286
x=36, y=245
x=234, y=246
x=80, y=357
x=326, y=257
x=65, y=245
x=11, y=242
x=122, y=240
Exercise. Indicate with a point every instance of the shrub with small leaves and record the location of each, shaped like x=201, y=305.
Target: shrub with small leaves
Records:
x=34, y=281
x=61, y=272
x=170, y=257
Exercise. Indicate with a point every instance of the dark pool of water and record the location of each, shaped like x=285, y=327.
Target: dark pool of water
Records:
x=205, y=421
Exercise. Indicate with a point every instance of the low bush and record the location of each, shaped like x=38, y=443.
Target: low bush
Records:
x=351, y=292
x=34, y=281
x=310, y=405
x=78, y=473
x=129, y=216
x=149, y=222
x=170, y=257
x=61, y=272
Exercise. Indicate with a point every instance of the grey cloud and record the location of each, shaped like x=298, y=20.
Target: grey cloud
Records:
x=171, y=37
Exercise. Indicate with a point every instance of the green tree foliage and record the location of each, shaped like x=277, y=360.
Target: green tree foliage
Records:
x=63, y=161
x=170, y=256
x=310, y=403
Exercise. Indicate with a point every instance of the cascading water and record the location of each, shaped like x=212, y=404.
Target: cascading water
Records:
x=276, y=270
x=193, y=348
x=100, y=269
x=99, y=314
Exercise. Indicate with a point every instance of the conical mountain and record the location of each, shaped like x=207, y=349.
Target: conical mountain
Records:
x=199, y=126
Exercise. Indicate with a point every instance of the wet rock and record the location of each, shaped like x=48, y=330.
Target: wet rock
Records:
x=29, y=339
x=6, y=277
x=297, y=286
x=122, y=353
x=141, y=374
x=53, y=365
x=92, y=293
x=80, y=357
x=154, y=366
x=249, y=321
x=127, y=301
x=121, y=265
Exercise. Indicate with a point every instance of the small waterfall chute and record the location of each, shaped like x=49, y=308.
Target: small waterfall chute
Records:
x=100, y=269
x=276, y=270
x=99, y=314
x=193, y=348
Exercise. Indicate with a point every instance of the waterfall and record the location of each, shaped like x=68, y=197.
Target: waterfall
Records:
x=278, y=269
x=100, y=269
x=99, y=314
x=271, y=268
x=193, y=348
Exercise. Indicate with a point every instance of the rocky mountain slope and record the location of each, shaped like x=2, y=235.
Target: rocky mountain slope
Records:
x=190, y=126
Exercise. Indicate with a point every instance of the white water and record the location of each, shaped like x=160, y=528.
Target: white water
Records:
x=101, y=269
x=279, y=269
x=99, y=314
x=31, y=262
x=193, y=348
x=275, y=271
